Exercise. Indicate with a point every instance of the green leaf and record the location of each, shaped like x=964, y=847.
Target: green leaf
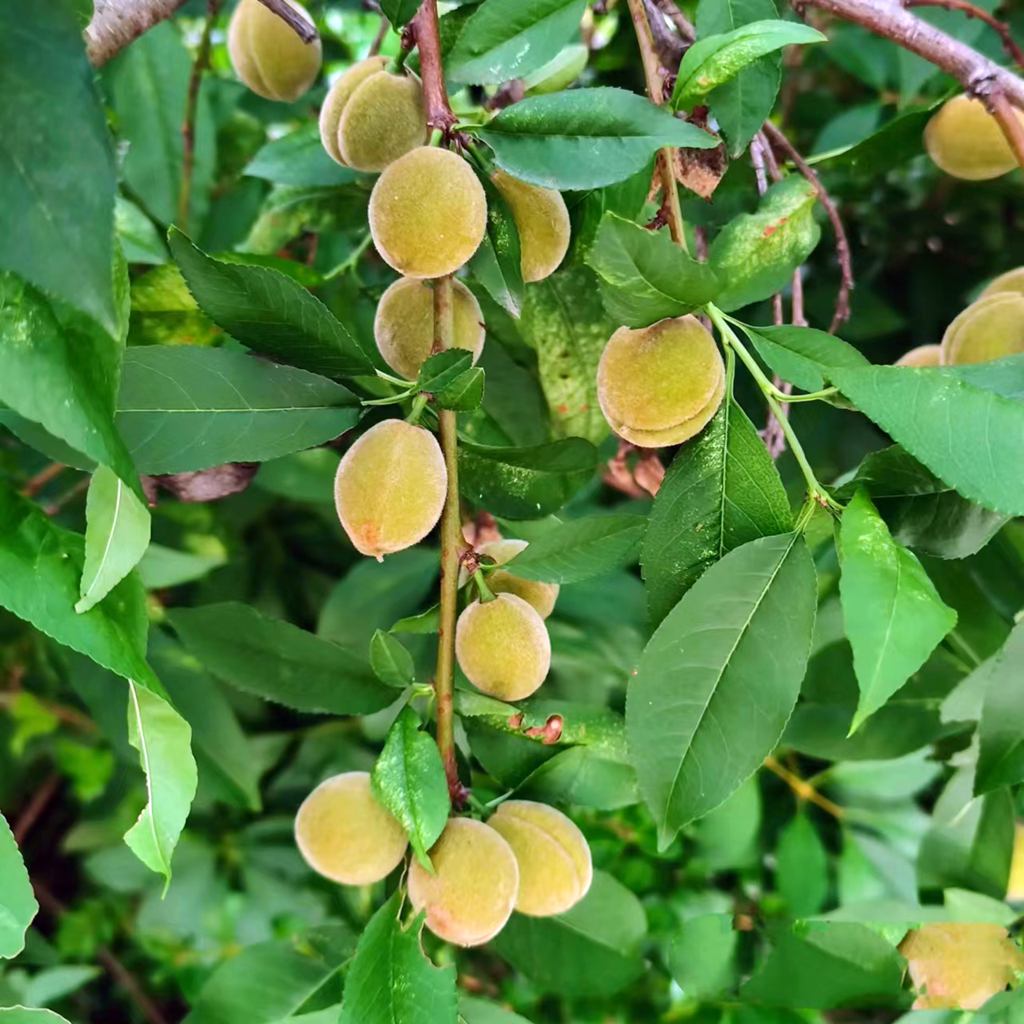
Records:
x=743, y=104
x=399, y=12
x=443, y=368
x=391, y=978
x=409, y=780
x=921, y=510
x=802, y=355
x=463, y=394
x=271, y=981
x=497, y=264
x=591, y=950
x=645, y=276
x=299, y=158
x=565, y=321
x=821, y=965
x=390, y=661
x=60, y=370
x=581, y=549
x=163, y=739
x=220, y=745
x=17, y=902
x=139, y=239
x=269, y=312
x=149, y=84
x=717, y=59
x=801, y=867
x=40, y=568
x=585, y=138
x=29, y=1015
x=701, y=956
x=477, y=1011
x=959, y=424
x=163, y=567
x=278, y=661
x=1001, y=729
x=525, y=483
x=755, y=254
x=583, y=777
x=183, y=408
x=56, y=185
x=500, y=42
x=718, y=680
x=721, y=491
x=116, y=536
x=893, y=613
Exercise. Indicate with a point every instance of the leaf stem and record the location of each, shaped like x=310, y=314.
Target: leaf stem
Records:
x=816, y=491
x=802, y=789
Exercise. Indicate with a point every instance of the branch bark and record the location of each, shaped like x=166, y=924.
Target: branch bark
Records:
x=435, y=95
x=116, y=23
x=1001, y=28
x=295, y=20
x=890, y=19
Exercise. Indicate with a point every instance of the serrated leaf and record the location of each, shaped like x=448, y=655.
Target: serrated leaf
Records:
x=500, y=42
x=56, y=186
x=1001, y=728
x=645, y=276
x=409, y=780
x=464, y=394
x=18, y=904
x=581, y=549
x=278, y=661
x=163, y=739
x=719, y=679
x=299, y=159
x=58, y=369
x=565, y=321
x=893, y=613
x=721, y=491
x=966, y=427
x=390, y=661
x=391, y=979
x=497, y=264
x=269, y=312
x=477, y=1011
x=116, y=536
x=182, y=409
x=717, y=59
x=525, y=482
x=591, y=950
x=742, y=105
x=442, y=368
x=755, y=254
x=585, y=138
x=803, y=355
x=29, y=1015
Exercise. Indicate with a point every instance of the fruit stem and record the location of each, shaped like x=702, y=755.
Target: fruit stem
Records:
x=452, y=544
x=655, y=90
x=485, y=592
x=428, y=42
x=419, y=403
x=1007, y=117
x=729, y=337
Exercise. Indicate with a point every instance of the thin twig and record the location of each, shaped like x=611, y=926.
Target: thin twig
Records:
x=296, y=20
x=378, y=39
x=803, y=789
x=842, y=309
x=188, y=125
x=682, y=23
x=63, y=712
x=36, y=483
x=117, y=970
x=1001, y=28
x=1010, y=122
x=655, y=90
x=435, y=95
x=34, y=808
x=669, y=45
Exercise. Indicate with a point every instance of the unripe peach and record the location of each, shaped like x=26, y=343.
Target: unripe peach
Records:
x=337, y=97
x=923, y=355
x=501, y=581
x=470, y=896
x=555, y=869
x=503, y=647
x=1015, y=884
x=390, y=488
x=542, y=221
x=371, y=117
x=268, y=55
x=345, y=834
x=1011, y=281
x=428, y=213
x=960, y=966
x=404, y=324
x=988, y=329
x=965, y=141
x=660, y=385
